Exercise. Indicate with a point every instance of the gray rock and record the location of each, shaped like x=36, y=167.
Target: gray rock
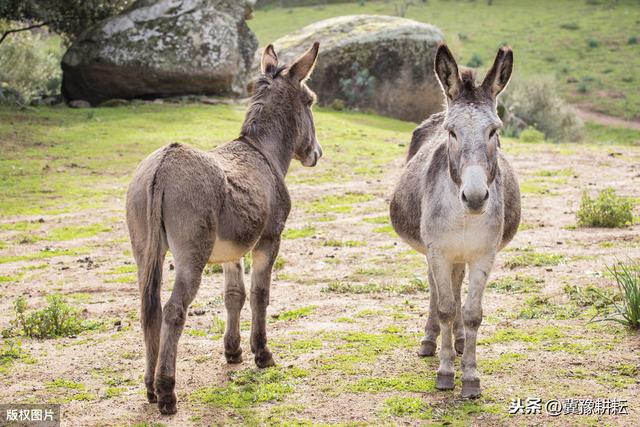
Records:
x=116, y=102
x=79, y=103
x=160, y=48
x=380, y=63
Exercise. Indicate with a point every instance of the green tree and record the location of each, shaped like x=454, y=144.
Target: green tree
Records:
x=68, y=18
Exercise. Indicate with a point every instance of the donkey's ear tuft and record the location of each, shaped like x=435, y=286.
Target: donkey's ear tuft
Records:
x=498, y=76
x=447, y=71
x=269, y=62
x=302, y=67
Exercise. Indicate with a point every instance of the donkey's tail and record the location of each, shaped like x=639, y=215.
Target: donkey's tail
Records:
x=153, y=252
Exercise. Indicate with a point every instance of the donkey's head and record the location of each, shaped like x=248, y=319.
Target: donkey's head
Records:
x=472, y=123
x=282, y=100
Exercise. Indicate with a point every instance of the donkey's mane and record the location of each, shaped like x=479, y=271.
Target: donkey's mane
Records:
x=260, y=87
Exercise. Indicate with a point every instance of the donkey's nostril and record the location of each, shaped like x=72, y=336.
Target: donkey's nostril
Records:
x=464, y=197
x=486, y=195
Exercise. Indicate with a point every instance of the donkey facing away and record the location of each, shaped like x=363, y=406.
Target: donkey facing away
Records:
x=215, y=207
x=458, y=203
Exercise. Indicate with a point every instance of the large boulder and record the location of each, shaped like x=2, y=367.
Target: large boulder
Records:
x=160, y=48
x=380, y=63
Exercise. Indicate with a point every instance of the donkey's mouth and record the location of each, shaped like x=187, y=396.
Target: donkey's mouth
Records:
x=312, y=160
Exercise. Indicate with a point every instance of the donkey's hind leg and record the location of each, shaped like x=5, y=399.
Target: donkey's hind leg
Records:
x=234, y=297
x=432, y=328
x=263, y=257
x=189, y=268
x=458, y=327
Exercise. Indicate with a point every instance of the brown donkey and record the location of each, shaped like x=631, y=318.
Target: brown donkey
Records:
x=215, y=207
x=458, y=203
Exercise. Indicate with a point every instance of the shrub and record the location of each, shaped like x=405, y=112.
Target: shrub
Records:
x=607, y=210
x=537, y=103
x=592, y=44
x=475, y=61
x=627, y=277
x=57, y=319
x=632, y=40
x=531, y=134
x=28, y=67
x=358, y=87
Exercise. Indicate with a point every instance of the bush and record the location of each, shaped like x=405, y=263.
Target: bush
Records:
x=607, y=210
x=627, y=277
x=57, y=319
x=531, y=134
x=537, y=103
x=358, y=88
x=29, y=67
x=632, y=40
x=475, y=61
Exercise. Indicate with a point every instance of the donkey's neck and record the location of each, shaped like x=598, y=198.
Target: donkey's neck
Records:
x=277, y=151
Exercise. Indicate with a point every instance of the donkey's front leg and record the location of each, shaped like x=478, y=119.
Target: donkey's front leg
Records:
x=442, y=270
x=263, y=257
x=432, y=328
x=458, y=328
x=472, y=317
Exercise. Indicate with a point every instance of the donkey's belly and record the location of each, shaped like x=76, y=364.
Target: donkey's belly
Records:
x=227, y=251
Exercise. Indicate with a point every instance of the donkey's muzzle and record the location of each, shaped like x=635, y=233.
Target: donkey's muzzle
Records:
x=474, y=201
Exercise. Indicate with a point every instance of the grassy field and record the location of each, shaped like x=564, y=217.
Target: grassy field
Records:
x=349, y=299
x=591, y=48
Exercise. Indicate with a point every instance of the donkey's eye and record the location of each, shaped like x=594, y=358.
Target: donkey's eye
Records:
x=492, y=133
x=452, y=134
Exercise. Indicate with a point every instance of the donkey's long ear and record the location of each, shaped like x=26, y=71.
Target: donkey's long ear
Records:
x=303, y=66
x=269, y=61
x=447, y=71
x=499, y=75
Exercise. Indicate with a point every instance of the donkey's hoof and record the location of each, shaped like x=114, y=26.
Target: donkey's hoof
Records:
x=151, y=397
x=470, y=389
x=233, y=358
x=444, y=381
x=459, y=346
x=168, y=404
x=264, y=359
x=427, y=349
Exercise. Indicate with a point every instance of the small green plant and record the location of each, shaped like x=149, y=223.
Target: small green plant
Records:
x=57, y=319
x=607, y=210
x=627, y=311
x=632, y=40
x=572, y=26
x=532, y=259
x=475, y=61
x=592, y=44
x=358, y=87
x=591, y=296
x=531, y=135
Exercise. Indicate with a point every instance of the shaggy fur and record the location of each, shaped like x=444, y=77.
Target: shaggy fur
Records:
x=215, y=207
x=458, y=203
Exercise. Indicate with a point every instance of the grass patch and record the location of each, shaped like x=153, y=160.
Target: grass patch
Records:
x=607, y=210
x=338, y=204
x=516, y=284
x=411, y=407
x=299, y=233
x=418, y=383
x=294, y=314
x=533, y=259
x=76, y=232
x=45, y=253
x=540, y=307
x=10, y=352
x=516, y=334
x=344, y=243
x=413, y=286
x=251, y=387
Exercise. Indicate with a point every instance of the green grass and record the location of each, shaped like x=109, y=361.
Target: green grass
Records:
x=533, y=259
x=416, y=382
x=413, y=286
x=411, y=407
x=250, y=387
x=606, y=210
x=77, y=232
x=548, y=38
x=516, y=284
x=299, y=233
x=294, y=314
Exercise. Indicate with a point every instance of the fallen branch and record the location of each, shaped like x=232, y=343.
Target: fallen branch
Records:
x=18, y=30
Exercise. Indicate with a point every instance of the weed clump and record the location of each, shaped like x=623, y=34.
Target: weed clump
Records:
x=57, y=319
x=627, y=309
x=607, y=210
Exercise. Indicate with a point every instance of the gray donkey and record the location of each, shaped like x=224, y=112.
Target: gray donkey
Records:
x=214, y=207
x=458, y=203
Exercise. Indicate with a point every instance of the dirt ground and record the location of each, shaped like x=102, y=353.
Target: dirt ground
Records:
x=346, y=352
